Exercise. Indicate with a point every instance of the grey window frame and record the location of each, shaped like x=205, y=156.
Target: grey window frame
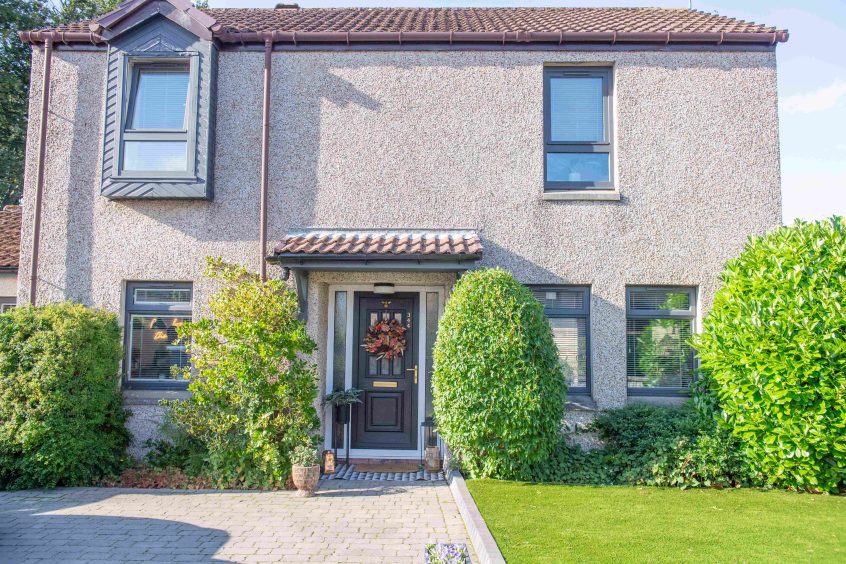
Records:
x=582, y=313
x=132, y=65
x=690, y=314
x=130, y=309
x=7, y=303
x=607, y=146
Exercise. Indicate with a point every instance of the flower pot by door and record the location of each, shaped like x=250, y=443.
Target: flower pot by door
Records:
x=305, y=479
x=342, y=414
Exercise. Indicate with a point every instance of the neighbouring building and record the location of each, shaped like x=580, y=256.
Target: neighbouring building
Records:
x=10, y=251
x=612, y=158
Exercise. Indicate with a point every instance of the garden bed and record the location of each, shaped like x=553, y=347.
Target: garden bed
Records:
x=553, y=523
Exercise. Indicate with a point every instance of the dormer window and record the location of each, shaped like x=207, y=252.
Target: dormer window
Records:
x=155, y=137
x=159, y=114
x=160, y=120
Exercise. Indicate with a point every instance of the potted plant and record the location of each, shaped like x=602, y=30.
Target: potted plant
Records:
x=342, y=401
x=305, y=469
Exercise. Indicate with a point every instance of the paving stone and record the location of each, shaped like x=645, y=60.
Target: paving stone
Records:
x=345, y=522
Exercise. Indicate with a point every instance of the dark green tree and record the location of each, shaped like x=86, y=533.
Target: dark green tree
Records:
x=15, y=16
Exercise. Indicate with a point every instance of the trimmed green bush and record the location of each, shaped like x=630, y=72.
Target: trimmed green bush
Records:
x=253, y=390
x=61, y=416
x=498, y=387
x=651, y=445
x=773, y=353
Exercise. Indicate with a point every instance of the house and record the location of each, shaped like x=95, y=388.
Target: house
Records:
x=10, y=250
x=613, y=159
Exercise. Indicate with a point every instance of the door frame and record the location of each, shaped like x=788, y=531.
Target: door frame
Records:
x=421, y=292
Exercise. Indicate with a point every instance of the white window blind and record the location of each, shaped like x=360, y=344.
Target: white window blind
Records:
x=561, y=299
x=577, y=109
x=651, y=299
x=161, y=97
x=567, y=309
x=659, y=327
x=153, y=295
x=153, y=347
x=570, y=336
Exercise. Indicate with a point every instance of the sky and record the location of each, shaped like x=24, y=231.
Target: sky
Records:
x=811, y=83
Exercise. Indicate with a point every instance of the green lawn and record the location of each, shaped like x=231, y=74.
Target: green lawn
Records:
x=548, y=523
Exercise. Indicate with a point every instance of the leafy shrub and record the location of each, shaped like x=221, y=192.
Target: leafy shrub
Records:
x=253, y=392
x=713, y=458
x=637, y=435
x=655, y=445
x=61, y=415
x=175, y=449
x=305, y=455
x=498, y=388
x=570, y=464
x=773, y=353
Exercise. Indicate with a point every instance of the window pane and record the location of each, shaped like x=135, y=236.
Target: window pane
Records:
x=161, y=156
x=652, y=299
x=152, y=349
x=160, y=99
x=560, y=299
x=432, y=317
x=339, y=350
x=162, y=296
x=577, y=167
x=577, y=109
x=570, y=336
x=658, y=353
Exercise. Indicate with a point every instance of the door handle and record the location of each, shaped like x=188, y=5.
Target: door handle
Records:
x=413, y=370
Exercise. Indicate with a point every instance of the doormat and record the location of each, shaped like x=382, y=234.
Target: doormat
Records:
x=357, y=472
x=388, y=467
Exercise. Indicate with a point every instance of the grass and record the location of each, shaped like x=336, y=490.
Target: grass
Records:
x=552, y=523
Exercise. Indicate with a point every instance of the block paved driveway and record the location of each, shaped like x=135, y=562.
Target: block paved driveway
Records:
x=344, y=522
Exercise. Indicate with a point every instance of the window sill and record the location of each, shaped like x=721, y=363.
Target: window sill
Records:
x=661, y=400
x=153, y=178
x=582, y=195
x=153, y=397
x=580, y=401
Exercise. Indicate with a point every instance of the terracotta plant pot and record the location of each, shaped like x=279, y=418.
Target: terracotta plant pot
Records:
x=305, y=478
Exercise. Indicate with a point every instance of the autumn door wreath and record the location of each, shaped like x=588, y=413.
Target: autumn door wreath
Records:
x=386, y=339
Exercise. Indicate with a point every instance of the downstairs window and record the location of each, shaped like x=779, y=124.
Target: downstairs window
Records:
x=154, y=311
x=659, y=325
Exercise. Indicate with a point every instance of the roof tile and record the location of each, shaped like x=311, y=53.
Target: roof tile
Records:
x=381, y=242
x=497, y=20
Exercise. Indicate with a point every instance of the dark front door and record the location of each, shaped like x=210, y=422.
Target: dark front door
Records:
x=387, y=416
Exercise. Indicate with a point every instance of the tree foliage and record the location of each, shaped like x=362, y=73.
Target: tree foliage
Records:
x=773, y=353
x=498, y=387
x=61, y=414
x=254, y=394
x=15, y=16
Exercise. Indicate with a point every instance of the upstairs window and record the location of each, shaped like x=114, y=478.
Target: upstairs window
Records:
x=659, y=324
x=577, y=128
x=159, y=124
x=154, y=312
x=568, y=311
x=159, y=115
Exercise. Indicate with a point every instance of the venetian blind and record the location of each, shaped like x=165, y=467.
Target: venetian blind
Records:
x=577, y=109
